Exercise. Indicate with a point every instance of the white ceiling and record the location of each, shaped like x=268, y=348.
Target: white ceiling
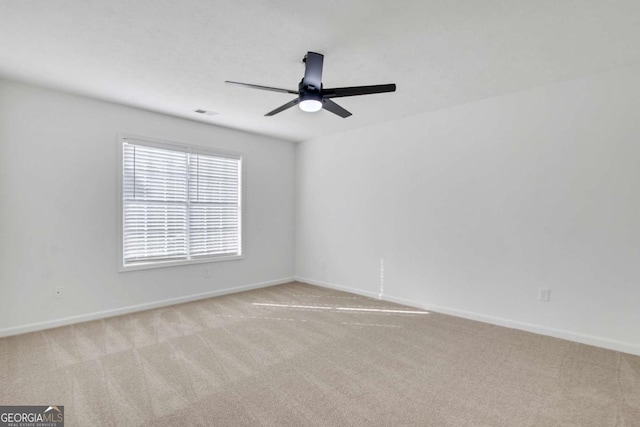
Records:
x=173, y=56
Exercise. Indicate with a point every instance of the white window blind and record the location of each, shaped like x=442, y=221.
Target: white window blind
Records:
x=179, y=205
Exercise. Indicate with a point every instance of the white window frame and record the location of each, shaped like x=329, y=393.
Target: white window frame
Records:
x=184, y=147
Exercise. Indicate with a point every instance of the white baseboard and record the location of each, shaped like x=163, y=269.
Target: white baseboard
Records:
x=338, y=287
x=32, y=327
x=621, y=346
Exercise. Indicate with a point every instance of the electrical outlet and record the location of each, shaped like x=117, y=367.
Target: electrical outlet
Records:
x=207, y=272
x=57, y=293
x=544, y=294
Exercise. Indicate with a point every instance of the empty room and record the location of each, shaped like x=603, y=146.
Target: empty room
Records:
x=297, y=213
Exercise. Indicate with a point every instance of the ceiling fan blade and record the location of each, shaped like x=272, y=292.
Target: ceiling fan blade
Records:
x=283, y=107
x=329, y=105
x=313, y=70
x=272, y=89
x=340, y=92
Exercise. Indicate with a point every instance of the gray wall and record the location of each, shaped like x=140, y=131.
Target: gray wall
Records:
x=471, y=209
x=58, y=210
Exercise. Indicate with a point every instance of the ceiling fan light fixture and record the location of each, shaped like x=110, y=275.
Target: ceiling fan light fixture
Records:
x=310, y=103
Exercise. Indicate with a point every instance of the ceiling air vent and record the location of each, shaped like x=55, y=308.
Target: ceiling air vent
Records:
x=206, y=112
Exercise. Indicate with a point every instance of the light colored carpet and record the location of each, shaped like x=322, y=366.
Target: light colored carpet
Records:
x=301, y=355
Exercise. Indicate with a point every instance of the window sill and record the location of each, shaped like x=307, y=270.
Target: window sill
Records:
x=162, y=264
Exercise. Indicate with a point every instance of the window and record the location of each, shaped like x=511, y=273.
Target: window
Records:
x=179, y=204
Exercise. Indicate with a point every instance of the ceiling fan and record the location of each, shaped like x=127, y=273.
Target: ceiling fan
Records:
x=312, y=96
